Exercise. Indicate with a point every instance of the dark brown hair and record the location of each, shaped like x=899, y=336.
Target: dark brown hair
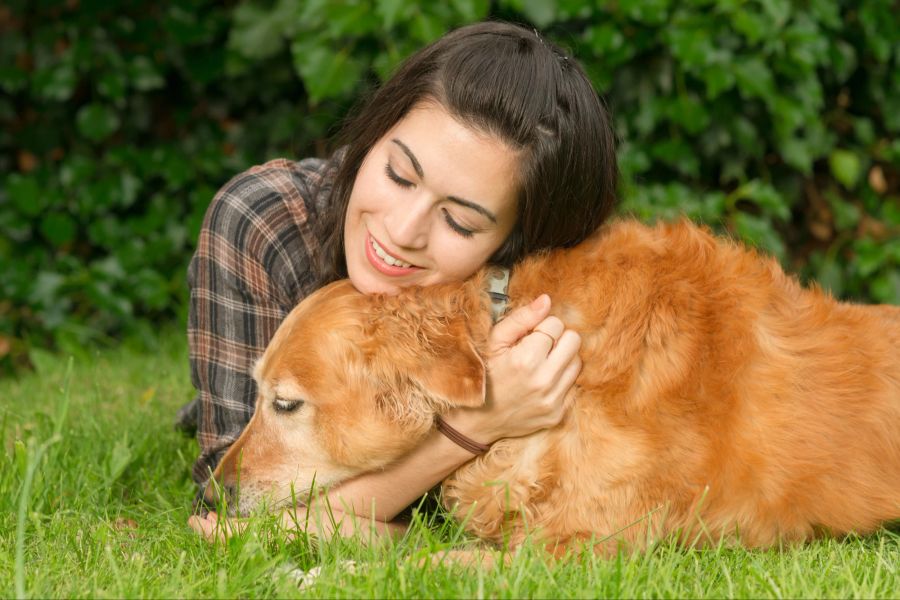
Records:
x=504, y=80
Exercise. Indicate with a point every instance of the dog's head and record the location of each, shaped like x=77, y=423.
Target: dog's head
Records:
x=350, y=383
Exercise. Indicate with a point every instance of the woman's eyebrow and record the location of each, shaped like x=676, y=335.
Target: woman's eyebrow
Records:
x=474, y=206
x=461, y=201
x=412, y=158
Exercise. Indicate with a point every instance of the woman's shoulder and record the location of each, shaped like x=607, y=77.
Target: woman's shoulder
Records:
x=269, y=208
x=265, y=218
x=302, y=184
x=306, y=172
x=269, y=192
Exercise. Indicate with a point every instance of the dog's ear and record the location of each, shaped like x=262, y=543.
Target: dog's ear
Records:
x=450, y=370
x=422, y=340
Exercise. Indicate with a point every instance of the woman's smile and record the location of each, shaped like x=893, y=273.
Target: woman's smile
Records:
x=386, y=262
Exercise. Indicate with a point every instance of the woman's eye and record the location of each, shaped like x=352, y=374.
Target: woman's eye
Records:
x=286, y=406
x=392, y=175
x=466, y=233
x=405, y=183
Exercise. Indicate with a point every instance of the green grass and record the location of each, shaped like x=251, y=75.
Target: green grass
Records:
x=110, y=495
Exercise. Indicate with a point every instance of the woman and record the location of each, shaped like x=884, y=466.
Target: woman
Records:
x=485, y=146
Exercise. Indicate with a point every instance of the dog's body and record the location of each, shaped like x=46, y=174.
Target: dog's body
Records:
x=718, y=398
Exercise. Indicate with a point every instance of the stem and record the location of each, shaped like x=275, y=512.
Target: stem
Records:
x=33, y=461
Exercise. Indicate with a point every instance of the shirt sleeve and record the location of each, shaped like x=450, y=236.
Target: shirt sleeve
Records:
x=252, y=265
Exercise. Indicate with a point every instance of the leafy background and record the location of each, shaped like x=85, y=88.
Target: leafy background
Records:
x=773, y=120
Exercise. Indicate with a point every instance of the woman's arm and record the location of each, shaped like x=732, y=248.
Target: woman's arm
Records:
x=528, y=379
x=383, y=494
x=529, y=375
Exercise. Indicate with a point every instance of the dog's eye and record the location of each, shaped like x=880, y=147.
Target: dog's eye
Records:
x=285, y=406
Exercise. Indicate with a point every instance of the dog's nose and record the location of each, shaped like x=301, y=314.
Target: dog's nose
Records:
x=230, y=492
x=215, y=494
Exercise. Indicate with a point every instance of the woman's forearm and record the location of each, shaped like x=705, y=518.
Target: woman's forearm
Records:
x=381, y=495
x=326, y=521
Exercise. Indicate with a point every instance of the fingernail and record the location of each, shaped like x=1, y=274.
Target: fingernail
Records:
x=540, y=302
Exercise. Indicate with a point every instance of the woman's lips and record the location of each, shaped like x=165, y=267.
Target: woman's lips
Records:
x=383, y=267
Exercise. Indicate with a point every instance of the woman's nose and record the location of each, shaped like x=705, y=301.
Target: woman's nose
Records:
x=407, y=225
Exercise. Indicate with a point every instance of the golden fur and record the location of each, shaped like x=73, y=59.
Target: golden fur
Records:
x=718, y=398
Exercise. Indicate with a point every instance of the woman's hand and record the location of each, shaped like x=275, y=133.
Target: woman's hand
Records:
x=324, y=522
x=213, y=529
x=531, y=365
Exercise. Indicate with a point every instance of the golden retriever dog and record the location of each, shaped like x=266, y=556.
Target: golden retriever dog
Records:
x=719, y=399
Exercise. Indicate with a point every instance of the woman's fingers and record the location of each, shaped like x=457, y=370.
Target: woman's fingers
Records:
x=534, y=351
x=558, y=367
x=519, y=323
x=213, y=529
x=560, y=390
x=205, y=527
x=565, y=350
x=545, y=335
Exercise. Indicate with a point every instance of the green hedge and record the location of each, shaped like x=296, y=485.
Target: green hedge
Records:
x=774, y=120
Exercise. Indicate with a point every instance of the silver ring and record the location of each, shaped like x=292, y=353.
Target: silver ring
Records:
x=552, y=339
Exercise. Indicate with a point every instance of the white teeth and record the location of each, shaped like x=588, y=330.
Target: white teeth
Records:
x=387, y=257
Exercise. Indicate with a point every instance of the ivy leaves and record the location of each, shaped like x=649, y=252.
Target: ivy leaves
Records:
x=336, y=46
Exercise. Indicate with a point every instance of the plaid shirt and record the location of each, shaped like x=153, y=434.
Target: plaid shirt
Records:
x=252, y=265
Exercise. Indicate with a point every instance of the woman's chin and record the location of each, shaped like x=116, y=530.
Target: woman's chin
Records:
x=367, y=284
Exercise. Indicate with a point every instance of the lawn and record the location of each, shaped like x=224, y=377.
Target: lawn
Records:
x=105, y=516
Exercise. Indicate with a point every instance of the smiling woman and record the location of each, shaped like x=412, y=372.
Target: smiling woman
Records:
x=422, y=213
x=485, y=146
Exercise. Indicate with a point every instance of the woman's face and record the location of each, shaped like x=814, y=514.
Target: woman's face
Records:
x=432, y=201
